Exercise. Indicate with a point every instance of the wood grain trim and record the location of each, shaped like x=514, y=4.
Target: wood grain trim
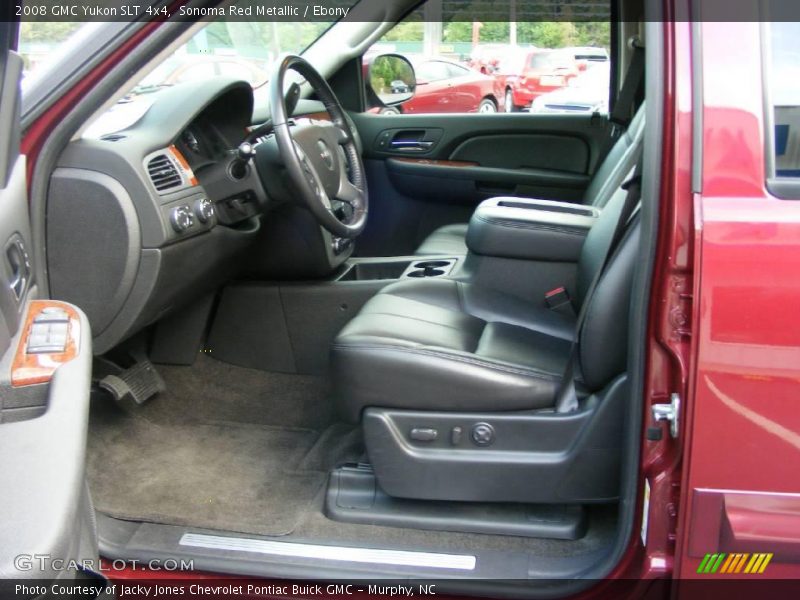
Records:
x=178, y=155
x=30, y=369
x=317, y=116
x=435, y=162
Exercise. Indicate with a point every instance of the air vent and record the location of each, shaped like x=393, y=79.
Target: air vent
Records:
x=163, y=173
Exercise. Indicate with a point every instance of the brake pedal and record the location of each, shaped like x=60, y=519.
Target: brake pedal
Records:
x=141, y=382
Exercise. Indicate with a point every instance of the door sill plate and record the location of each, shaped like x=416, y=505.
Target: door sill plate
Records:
x=378, y=556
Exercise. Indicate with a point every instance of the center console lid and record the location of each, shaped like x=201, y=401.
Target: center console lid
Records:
x=530, y=229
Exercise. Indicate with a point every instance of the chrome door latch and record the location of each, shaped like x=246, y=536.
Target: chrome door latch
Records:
x=668, y=412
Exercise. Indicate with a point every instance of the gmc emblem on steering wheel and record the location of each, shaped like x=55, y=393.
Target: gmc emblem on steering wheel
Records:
x=325, y=153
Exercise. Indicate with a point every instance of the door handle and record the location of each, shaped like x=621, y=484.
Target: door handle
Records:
x=408, y=141
x=411, y=145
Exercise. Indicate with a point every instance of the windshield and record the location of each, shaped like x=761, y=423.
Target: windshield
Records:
x=242, y=50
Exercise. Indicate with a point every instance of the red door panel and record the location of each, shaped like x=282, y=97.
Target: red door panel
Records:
x=741, y=491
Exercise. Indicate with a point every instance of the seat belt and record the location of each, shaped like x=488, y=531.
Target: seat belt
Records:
x=632, y=92
x=567, y=399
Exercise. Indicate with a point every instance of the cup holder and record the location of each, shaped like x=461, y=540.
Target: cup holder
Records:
x=426, y=272
x=431, y=264
x=430, y=268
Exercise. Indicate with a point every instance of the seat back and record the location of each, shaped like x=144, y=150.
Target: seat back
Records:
x=603, y=341
x=618, y=163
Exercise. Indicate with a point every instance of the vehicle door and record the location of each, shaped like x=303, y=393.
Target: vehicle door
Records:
x=740, y=499
x=46, y=522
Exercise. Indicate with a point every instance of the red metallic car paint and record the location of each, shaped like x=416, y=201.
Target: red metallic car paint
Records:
x=461, y=94
x=744, y=424
x=526, y=85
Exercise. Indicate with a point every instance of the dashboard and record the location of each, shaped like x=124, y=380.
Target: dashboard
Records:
x=145, y=220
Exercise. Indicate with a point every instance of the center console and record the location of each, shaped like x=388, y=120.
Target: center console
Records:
x=396, y=268
x=526, y=247
x=290, y=324
x=529, y=229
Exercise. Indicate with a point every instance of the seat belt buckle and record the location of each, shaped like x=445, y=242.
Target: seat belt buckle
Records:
x=559, y=301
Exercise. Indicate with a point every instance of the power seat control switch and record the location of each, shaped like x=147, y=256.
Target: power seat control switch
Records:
x=49, y=332
x=482, y=434
x=423, y=434
x=181, y=218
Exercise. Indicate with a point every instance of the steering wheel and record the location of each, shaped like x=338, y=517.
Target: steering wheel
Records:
x=321, y=158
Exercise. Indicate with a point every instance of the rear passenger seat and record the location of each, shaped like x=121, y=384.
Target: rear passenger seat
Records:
x=450, y=240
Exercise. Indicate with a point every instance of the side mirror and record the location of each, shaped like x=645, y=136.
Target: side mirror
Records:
x=390, y=77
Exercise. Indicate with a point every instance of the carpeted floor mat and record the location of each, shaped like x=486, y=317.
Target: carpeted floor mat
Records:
x=202, y=455
x=239, y=450
x=211, y=390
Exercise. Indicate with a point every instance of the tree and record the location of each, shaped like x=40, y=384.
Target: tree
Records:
x=46, y=32
x=594, y=33
x=407, y=31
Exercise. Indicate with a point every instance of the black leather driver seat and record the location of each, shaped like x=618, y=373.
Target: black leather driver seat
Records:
x=443, y=344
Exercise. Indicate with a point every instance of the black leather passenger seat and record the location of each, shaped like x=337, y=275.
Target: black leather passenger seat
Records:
x=450, y=345
x=454, y=345
x=466, y=393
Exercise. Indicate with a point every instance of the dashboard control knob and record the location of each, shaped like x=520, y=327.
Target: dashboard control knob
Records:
x=181, y=218
x=204, y=209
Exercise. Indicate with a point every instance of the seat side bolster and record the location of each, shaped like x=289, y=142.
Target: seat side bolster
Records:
x=433, y=379
x=449, y=240
x=603, y=344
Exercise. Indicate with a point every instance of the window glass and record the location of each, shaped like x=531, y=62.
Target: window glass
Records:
x=432, y=71
x=457, y=70
x=41, y=44
x=507, y=65
x=233, y=49
x=784, y=84
x=540, y=60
